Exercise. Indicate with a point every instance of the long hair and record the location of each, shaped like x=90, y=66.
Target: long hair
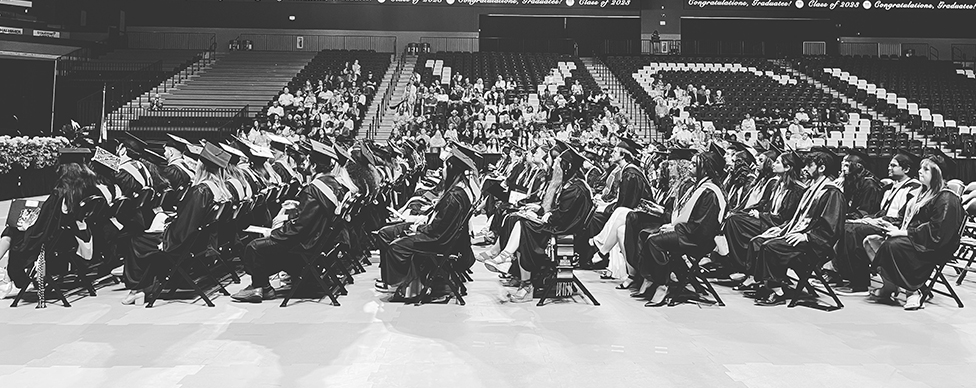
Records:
x=792, y=173
x=741, y=169
x=361, y=174
x=706, y=169
x=766, y=169
x=74, y=180
x=680, y=177
x=217, y=175
x=937, y=182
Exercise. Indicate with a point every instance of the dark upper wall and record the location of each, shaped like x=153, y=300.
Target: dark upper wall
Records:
x=337, y=16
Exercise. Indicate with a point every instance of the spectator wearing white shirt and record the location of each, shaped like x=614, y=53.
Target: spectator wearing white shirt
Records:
x=748, y=124
x=802, y=116
x=276, y=109
x=286, y=99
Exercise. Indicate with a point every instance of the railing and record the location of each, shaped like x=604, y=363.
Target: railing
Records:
x=170, y=40
x=814, y=48
x=964, y=54
x=615, y=87
x=456, y=44
x=749, y=48
x=384, y=104
x=118, y=92
x=313, y=43
x=215, y=119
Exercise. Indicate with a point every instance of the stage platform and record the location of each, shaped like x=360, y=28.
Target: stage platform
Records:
x=370, y=342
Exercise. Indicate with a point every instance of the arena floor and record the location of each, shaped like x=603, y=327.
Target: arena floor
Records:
x=368, y=342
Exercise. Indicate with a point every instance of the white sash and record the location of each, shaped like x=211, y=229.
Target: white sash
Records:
x=685, y=212
x=134, y=171
x=801, y=220
x=327, y=191
x=896, y=198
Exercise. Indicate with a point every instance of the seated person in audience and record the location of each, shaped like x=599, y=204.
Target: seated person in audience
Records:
x=566, y=204
x=318, y=206
x=928, y=235
x=862, y=191
x=408, y=241
x=748, y=123
x=24, y=242
x=807, y=238
x=851, y=262
x=776, y=205
x=276, y=109
x=155, y=103
x=719, y=98
x=370, y=84
x=802, y=116
x=694, y=224
x=151, y=246
x=286, y=99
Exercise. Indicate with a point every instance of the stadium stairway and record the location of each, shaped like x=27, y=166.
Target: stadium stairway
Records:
x=378, y=99
x=399, y=94
x=639, y=119
x=889, y=121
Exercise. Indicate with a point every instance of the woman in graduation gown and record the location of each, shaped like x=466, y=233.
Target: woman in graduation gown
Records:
x=694, y=223
x=774, y=208
x=442, y=234
x=927, y=237
x=75, y=182
x=633, y=188
x=861, y=188
x=192, y=211
x=529, y=235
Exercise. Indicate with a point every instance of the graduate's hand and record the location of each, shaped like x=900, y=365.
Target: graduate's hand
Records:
x=773, y=231
x=754, y=213
x=666, y=228
x=897, y=232
x=795, y=239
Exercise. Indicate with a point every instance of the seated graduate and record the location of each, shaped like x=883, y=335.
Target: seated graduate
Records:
x=927, y=236
x=24, y=237
x=528, y=234
x=851, y=262
x=694, y=223
x=742, y=175
x=809, y=236
x=284, y=164
x=676, y=179
x=773, y=209
x=445, y=232
x=862, y=191
x=319, y=204
x=633, y=188
x=180, y=166
x=151, y=246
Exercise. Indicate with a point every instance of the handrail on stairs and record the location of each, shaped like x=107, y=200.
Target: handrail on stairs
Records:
x=387, y=96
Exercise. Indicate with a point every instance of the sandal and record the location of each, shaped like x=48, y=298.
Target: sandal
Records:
x=914, y=302
x=624, y=285
x=606, y=274
x=501, y=263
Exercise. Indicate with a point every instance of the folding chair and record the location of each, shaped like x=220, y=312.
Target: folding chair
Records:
x=697, y=278
x=189, y=252
x=443, y=265
x=804, y=272
x=49, y=283
x=938, y=277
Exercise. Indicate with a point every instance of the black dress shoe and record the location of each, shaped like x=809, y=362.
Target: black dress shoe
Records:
x=665, y=301
x=744, y=287
x=773, y=299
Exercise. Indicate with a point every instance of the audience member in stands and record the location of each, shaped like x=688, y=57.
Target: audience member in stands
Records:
x=276, y=109
x=719, y=98
x=748, y=123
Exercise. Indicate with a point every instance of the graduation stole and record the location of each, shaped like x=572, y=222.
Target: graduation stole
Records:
x=684, y=213
x=238, y=187
x=778, y=197
x=272, y=175
x=183, y=167
x=757, y=192
x=897, y=194
x=801, y=219
x=138, y=171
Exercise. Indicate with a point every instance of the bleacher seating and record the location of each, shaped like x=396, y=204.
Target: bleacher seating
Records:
x=748, y=84
x=528, y=70
x=934, y=98
x=332, y=62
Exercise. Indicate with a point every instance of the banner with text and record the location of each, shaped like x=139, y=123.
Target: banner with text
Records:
x=833, y=5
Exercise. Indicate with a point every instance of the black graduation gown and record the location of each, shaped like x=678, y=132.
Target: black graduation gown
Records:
x=826, y=214
x=178, y=175
x=852, y=262
x=695, y=237
x=933, y=236
x=567, y=217
x=316, y=217
x=445, y=232
x=633, y=188
x=191, y=213
x=863, y=196
x=740, y=227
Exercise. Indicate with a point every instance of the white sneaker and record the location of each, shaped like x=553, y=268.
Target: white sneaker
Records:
x=118, y=271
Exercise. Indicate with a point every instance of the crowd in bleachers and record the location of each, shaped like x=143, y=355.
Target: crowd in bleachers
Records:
x=488, y=115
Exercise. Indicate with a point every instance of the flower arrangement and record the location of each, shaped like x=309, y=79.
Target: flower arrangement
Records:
x=29, y=152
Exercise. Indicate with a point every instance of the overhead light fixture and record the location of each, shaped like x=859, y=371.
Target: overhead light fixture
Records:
x=291, y=17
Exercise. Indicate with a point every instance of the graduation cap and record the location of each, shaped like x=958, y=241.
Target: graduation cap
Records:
x=235, y=154
x=153, y=157
x=106, y=159
x=591, y=154
x=945, y=163
x=561, y=146
x=157, y=147
x=193, y=151
x=860, y=154
x=460, y=159
x=279, y=143
x=73, y=155
x=132, y=143
x=713, y=147
x=913, y=160
x=681, y=153
x=214, y=156
x=750, y=153
x=342, y=155
x=177, y=142
x=574, y=157
x=630, y=145
x=834, y=159
x=321, y=152
x=475, y=156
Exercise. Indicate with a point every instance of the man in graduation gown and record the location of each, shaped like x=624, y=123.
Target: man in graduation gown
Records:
x=445, y=232
x=315, y=220
x=694, y=224
x=861, y=188
x=851, y=262
x=808, y=238
x=177, y=170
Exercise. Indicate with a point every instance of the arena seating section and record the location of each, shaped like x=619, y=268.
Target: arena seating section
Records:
x=529, y=70
x=328, y=62
x=739, y=79
x=934, y=98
